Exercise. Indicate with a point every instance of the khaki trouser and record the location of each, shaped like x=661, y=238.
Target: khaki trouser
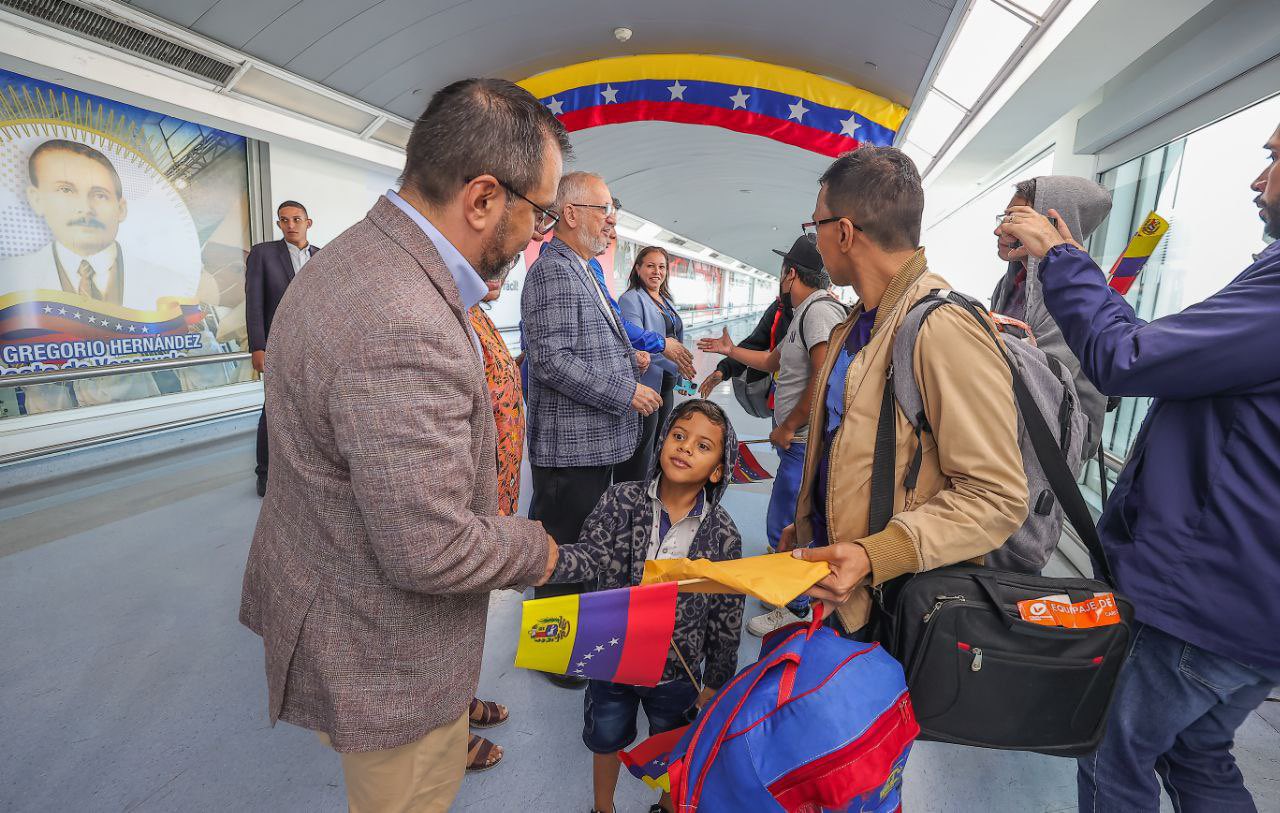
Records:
x=420, y=777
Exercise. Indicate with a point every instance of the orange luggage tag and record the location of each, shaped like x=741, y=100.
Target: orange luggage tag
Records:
x=1058, y=611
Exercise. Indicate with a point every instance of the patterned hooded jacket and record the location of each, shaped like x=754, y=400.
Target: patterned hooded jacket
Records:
x=612, y=549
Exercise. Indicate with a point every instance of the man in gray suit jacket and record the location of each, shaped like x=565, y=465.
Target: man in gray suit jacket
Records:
x=585, y=400
x=379, y=538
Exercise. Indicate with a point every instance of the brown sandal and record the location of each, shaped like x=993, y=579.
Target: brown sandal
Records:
x=482, y=754
x=486, y=713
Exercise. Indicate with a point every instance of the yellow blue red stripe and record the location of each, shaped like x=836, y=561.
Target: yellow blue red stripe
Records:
x=788, y=105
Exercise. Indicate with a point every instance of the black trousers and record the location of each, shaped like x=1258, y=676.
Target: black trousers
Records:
x=261, y=468
x=641, y=463
x=562, y=500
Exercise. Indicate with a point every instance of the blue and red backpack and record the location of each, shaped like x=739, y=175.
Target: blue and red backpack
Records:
x=818, y=723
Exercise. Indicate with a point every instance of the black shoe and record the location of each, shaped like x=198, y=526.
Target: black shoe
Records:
x=566, y=681
x=262, y=486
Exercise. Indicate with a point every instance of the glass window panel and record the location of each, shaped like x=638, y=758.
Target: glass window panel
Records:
x=1200, y=184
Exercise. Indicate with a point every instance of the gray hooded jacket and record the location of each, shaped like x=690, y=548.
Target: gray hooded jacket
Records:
x=1083, y=205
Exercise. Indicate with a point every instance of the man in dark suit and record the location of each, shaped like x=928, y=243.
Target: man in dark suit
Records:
x=380, y=540
x=268, y=271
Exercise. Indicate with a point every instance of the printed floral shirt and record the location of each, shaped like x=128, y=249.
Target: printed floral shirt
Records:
x=508, y=408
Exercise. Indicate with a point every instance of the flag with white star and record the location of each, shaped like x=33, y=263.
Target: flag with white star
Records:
x=648, y=760
x=52, y=328
x=788, y=105
x=621, y=636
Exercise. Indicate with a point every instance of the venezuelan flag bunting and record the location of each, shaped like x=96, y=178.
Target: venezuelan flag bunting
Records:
x=1141, y=246
x=787, y=105
x=648, y=760
x=621, y=636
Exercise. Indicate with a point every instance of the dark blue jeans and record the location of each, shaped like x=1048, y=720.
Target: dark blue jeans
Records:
x=1175, y=713
x=610, y=710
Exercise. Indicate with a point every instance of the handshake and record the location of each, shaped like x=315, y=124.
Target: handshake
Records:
x=645, y=400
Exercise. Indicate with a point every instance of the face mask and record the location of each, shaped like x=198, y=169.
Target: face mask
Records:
x=788, y=307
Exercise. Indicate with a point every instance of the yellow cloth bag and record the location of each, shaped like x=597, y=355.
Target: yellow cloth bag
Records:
x=775, y=578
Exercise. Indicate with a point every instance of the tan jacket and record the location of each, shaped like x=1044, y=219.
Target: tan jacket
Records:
x=379, y=541
x=971, y=494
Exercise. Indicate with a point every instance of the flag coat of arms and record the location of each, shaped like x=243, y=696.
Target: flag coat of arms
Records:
x=1141, y=246
x=621, y=636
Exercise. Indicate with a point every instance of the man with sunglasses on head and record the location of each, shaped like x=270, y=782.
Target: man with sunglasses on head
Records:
x=379, y=539
x=585, y=398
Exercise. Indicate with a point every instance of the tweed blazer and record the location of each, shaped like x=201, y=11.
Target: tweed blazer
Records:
x=582, y=370
x=378, y=540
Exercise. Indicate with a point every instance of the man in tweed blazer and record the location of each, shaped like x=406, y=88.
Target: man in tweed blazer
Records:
x=585, y=399
x=379, y=539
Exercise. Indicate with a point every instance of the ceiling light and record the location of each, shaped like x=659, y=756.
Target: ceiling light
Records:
x=986, y=40
x=622, y=34
x=1036, y=7
x=934, y=122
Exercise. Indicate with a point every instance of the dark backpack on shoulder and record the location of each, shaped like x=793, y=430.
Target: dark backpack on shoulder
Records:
x=978, y=674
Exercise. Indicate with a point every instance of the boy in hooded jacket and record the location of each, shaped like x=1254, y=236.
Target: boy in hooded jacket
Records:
x=675, y=513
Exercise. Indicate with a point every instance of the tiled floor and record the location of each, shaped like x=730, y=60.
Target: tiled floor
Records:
x=128, y=684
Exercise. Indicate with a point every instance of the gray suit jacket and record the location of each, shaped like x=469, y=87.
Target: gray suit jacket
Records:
x=378, y=541
x=582, y=370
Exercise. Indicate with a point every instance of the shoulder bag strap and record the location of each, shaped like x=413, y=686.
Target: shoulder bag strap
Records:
x=1048, y=453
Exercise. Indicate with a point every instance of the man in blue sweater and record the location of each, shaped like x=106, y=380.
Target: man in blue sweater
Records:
x=1190, y=529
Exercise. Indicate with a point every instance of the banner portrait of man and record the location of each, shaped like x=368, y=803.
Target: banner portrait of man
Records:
x=122, y=238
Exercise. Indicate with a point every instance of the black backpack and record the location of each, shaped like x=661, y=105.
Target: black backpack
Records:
x=978, y=674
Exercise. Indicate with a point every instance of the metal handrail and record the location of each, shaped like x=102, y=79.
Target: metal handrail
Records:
x=1114, y=463
x=77, y=373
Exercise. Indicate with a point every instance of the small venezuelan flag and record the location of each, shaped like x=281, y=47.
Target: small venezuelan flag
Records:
x=747, y=469
x=648, y=761
x=1141, y=246
x=621, y=636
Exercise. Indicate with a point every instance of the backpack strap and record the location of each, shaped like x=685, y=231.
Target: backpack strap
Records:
x=828, y=298
x=1061, y=481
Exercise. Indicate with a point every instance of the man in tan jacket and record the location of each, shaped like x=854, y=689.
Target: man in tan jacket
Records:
x=971, y=492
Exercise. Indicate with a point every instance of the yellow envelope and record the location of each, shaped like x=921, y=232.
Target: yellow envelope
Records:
x=775, y=578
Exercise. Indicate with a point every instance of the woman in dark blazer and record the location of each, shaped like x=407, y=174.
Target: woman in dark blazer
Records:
x=647, y=302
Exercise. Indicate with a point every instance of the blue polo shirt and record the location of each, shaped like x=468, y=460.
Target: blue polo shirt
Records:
x=857, y=339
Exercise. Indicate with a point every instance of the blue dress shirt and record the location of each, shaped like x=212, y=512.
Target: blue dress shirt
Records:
x=641, y=339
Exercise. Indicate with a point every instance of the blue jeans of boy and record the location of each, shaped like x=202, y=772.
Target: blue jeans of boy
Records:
x=782, y=503
x=1175, y=714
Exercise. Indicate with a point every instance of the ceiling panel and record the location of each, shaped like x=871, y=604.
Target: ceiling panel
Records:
x=394, y=53
x=301, y=27
x=235, y=22
x=691, y=180
x=182, y=12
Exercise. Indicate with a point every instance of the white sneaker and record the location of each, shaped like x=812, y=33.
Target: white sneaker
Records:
x=762, y=625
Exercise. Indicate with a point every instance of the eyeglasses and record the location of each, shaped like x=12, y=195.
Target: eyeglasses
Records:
x=810, y=229
x=547, y=219
x=610, y=209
